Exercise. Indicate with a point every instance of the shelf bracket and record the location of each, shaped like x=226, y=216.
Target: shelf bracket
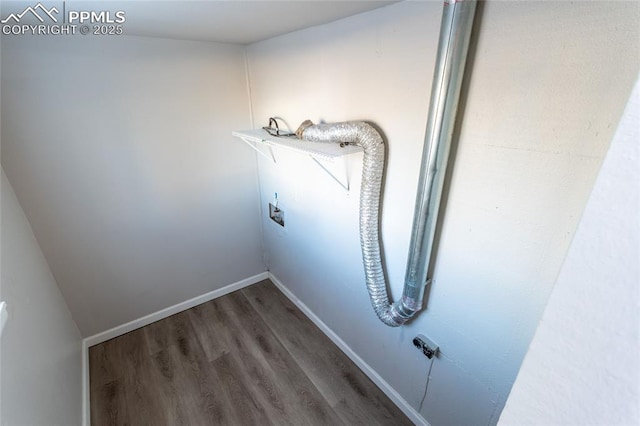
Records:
x=324, y=155
x=254, y=144
x=331, y=174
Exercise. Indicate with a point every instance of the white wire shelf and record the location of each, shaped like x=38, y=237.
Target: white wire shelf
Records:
x=319, y=152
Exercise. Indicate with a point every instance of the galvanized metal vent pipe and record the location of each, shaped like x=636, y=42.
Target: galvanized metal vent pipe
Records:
x=455, y=32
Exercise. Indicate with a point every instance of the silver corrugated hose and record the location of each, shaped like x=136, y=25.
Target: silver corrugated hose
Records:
x=365, y=136
x=455, y=32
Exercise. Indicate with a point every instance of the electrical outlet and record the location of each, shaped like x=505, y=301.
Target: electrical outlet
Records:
x=426, y=345
x=276, y=214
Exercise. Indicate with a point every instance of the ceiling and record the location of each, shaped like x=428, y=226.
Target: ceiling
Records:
x=242, y=22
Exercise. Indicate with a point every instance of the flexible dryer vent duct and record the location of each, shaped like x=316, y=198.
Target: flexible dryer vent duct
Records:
x=365, y=136
x=455, y=31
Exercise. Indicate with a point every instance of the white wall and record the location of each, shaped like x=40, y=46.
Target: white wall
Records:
x=120, y=151
x=582, y=366
x=41, y=346
x=548, y=86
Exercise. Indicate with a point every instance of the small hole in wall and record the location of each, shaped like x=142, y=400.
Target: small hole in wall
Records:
x=276, y=214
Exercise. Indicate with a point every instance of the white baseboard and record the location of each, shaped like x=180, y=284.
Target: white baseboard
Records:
x=86, y=402
x=146, y=320
x=171, y=310
x=408, y=410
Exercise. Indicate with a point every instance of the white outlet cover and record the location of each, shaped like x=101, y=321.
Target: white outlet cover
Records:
x=4, y=315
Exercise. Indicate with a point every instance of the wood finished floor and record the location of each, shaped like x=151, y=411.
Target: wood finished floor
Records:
x=248, y=358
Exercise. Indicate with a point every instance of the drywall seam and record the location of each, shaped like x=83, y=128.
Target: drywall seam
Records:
x=171, y=310
x=406, y=408
x=247, y=79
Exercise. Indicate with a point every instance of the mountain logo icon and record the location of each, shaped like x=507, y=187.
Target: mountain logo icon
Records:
x=16, y=17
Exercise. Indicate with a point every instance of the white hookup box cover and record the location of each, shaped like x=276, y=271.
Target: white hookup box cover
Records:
x=3, y=315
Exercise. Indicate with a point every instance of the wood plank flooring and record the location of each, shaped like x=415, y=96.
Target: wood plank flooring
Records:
x=248, y=358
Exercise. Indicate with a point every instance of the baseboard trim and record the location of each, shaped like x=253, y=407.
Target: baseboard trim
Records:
x=86, y=403
x=119, y=330
x=96, y=339
x=407, y=409
x=171, y=310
